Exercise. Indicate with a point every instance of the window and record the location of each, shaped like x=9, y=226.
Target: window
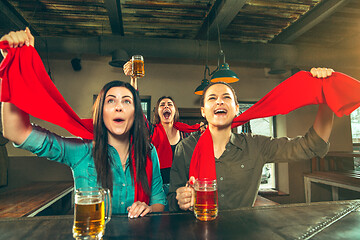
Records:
x=146, y=105
x=355, y=132
x=266, y=127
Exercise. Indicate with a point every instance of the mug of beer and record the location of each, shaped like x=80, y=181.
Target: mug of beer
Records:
x=90, y=216
x=138, y=69
x=206, y=199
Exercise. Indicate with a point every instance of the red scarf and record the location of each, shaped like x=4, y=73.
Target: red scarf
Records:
x=161, y=142
x=340, y=92
x=26, y=84
x=140, y=194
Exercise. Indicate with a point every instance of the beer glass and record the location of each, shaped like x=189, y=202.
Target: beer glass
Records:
x=90, y=216
x=206, y=199
x=138, y=69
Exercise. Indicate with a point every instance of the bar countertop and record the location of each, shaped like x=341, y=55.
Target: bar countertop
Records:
x=322, y=220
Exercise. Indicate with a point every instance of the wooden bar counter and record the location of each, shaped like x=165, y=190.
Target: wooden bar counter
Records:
x=323, y=220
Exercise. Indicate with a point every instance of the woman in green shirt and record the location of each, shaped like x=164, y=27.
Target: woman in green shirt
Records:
x=120, y=157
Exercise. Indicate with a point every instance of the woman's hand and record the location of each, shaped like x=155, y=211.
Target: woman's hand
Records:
x=127, y=68
x=128, y=71
x=186, y=195
x=18, y=39
x=138, y=209
x=321, y=72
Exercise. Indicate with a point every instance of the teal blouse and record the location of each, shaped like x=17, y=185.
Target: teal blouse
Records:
x=77, y=154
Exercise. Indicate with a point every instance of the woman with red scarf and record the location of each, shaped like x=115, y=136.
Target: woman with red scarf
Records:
x=165, y=133
x=165, y=115
x=119, y=157
x=236, y=160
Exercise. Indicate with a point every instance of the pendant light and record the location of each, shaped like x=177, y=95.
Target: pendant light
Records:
x=119, y=58
x=204, y=83
x=223, y=73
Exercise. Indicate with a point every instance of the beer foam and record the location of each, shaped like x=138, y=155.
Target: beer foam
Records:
x=87, y=200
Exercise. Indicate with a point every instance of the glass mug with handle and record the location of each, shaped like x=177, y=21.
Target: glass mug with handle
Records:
x=206, y=199
x=138, y=69
x=90, y=215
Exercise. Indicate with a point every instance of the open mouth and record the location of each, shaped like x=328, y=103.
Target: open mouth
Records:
x=166, y=113
x=220, y=112
x=118, y=120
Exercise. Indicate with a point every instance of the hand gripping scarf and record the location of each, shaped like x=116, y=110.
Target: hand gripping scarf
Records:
x=26, y=84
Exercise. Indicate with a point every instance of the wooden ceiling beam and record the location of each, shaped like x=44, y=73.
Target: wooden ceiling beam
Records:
x=309, y=20
x=220, y=16
x=116, y=22
x=13, y=16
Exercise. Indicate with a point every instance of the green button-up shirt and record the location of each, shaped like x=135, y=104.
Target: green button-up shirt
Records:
x=77, y=154
x=239, y=168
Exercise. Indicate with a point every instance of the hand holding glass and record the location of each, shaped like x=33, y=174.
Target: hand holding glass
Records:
x=138, y=69
x=89, y=213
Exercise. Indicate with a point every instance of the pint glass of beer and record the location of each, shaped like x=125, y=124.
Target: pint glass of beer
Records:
x=138, y=69
x=206, y=199
x=90, y=215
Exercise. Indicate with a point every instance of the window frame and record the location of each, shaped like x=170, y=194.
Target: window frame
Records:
x=274, y=134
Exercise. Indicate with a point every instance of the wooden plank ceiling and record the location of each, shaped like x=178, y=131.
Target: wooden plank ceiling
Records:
x=257, y=21
x=310, y=23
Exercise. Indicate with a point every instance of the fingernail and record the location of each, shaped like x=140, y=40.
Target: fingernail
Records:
x=27, y=43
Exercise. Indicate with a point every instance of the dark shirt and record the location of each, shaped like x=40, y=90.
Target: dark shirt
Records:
x=165, y=172
x=240, y=166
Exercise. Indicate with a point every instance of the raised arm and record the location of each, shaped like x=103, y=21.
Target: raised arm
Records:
x=16, y=124
x=325, y=117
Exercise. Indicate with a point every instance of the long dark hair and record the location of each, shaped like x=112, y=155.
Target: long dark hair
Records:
x=138, y=138
x=156, y=110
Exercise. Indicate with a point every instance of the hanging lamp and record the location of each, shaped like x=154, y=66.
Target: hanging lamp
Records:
x=204, y=83
x=224, y=74
x=119, y=58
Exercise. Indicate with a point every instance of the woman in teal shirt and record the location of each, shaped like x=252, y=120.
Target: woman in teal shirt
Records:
x=120, y=157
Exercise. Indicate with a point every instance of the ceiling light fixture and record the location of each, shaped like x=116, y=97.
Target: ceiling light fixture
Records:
x=119, y=58
x=204, y=83
x=223, y=72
